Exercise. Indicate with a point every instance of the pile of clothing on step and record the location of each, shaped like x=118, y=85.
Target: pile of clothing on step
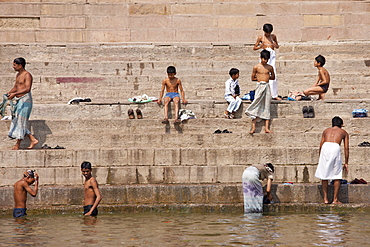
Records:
x=142, y=99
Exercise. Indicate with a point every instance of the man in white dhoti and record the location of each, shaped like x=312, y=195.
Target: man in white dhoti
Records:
x=260, y=107
x=330, y=161
x=269, y=42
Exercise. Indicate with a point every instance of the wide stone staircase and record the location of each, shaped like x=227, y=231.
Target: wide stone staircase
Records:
x=142, y=161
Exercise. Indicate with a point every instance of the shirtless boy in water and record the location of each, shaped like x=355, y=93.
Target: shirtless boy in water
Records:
x=21, y=92
x=92, y=196
x=172, y=84
x=21, y=188
x=260, y=106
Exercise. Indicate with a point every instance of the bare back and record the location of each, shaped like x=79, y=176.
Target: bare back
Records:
x=334, y=134
x=89, y=193
x=20, y=194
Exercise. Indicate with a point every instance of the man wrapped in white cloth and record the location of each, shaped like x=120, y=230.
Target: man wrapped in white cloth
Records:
x=330, y=161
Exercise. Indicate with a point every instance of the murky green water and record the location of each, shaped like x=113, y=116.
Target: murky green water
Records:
x=181, y=229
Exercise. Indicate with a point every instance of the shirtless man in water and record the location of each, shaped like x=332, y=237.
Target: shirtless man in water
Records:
x=92, y=196
x=330, y=161
x=260, y=106
x=21, y=93
x=172, y=84
x=20, y=192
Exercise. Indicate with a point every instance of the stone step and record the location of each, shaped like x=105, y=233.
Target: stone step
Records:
x=186, y=67
x=170, y=51
x=171, y=165
x=201, y=108
x=197, y=133
x=201, y=126
x=114, y=196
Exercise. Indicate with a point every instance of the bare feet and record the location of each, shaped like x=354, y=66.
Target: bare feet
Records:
x=268, y=131
x=15, y=147
x=277, y=98
x=33, y=144
x=252, y=131
x=337, y=202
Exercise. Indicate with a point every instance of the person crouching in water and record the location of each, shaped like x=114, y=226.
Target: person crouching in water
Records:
x=252, y=186
x=92, y=195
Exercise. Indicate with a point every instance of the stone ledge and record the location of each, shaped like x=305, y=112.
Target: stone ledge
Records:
x=197, y=208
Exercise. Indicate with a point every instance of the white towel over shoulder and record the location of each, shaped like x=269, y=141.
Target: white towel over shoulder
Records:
x=330, y=162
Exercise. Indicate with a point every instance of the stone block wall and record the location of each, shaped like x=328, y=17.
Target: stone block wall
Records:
x=105, y=21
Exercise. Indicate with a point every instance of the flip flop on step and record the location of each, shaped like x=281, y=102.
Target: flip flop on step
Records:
x=305, y=111
x=131, y=114
x=311, y=112
x=165, y=121
x=139, y=114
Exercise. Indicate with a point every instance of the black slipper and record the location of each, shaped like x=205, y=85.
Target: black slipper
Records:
x=59, y=147
x=305, y=111
x=311, y=112
x=45, y=146
x=217, y=131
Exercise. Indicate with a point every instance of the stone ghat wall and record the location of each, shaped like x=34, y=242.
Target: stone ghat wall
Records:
x=156, y=195
x=84, y=21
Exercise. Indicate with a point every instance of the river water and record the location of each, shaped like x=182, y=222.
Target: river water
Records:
x=188, y=229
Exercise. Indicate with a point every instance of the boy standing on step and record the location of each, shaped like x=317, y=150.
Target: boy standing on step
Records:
x=260, y=106
x=92, y=195
x=269, y=42
x=330, y=161
x=172, y=84
x=232, y=92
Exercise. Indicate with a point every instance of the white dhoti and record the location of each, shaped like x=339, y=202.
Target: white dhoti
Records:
x=260, y=106
x=273, y=83
x=330, y=162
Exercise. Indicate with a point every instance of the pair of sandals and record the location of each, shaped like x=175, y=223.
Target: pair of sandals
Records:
x=364, y=144
x=308, y=112
x=218, y=131
x=131, y=114
x=358, y=181
x=45, y=146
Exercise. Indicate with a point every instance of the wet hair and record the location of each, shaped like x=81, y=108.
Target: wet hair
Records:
x=171, y=69
x=29, y=173
x=337, y=121
x=265, y=54
x=267, y=28
x=86, y=165
x=233, y=71
x=320, y=59
x=20, y=61
x=271, y=166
